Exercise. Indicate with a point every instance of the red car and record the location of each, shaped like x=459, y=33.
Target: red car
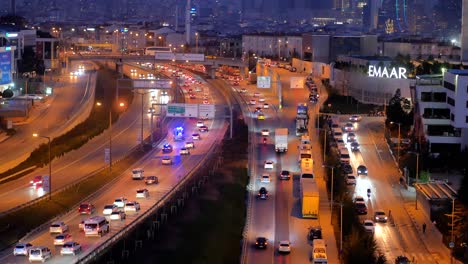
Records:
x=36, y=181
x=86, y=208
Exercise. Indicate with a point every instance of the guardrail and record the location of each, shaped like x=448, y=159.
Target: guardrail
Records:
x=212, y=152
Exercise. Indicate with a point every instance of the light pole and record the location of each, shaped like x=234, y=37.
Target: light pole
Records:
x=331, y=187
x=279, y=49
x=196, y=37
x=50, y=164
x=142, y=112
x=399, y=139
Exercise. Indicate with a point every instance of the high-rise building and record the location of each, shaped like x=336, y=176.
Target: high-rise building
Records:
x=464, y=31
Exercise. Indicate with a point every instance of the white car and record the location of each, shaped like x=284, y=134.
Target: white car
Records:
x=266, y=105
x=268, y=164
x=189, y=144
x=284, y=246
x=132, y=207
x=196, y=136
x=355, y=118
x=200, y=123
x=350, y=180
x=184, y=151
x=206, y=102
x=120, y=202
x=58, y=227
x=265, y=178
x=349, y=127
x=369, y=226
x=265, y=132
x=117, y=215
x=256, y=94
x=253, y=102
x=70, y=247
x=261, y=100
x=62, y=239
x=142, y=193
x=108, y=209
x=166, y=161
x=22, y=249
x=243, y=90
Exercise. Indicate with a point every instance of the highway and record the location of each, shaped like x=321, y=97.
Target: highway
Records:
x=168, y=176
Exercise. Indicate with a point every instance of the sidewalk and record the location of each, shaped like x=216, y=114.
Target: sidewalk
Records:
x=432, y=238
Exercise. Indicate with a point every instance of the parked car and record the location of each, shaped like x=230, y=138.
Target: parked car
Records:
x=350, y=180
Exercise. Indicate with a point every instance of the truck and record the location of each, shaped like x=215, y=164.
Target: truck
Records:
x=309, y=198
x=281, y=139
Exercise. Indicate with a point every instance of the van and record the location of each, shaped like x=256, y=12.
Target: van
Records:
x=344, y=156
x=39, y=254
x=96, y=226
x=319, y=252
x=337, y=132
x=137, y=174
x=305, y=140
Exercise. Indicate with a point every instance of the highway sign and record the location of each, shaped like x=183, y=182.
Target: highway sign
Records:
x=263, y=81
x=177, y=110
x=152, y=84
x=206, y=111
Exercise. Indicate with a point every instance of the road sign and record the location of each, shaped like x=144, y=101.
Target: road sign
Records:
x=206, y=111
x=46, y=183
x=176, y=110
x=451, y=244
x=107, y=155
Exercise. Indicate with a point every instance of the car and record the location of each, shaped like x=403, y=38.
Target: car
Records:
x=58, y=227
x=284, y=247
x=184, y=151
x=203, y=129
x=189, y=145
x=262, y=193
x=402, y=260
x=151, y=110
x=266, y=105
x=200, y=123
x=108, y=208
x=315, y=232
x=261, y=116
x=268, y=164
x=151, y=180
x=347, y=169
x=196, y=136
x=117, y=215
x=265, y=178
x=355, y=146
x=142, y=193
x=253, y=102
x=132, y=206
x=236, y=83
x=167, y=148
x=285, y=175
x=120, y=202
x=293, y=69
x=360, y=208
x=369, y=226
x=60, y=239
x=380, y=216
x=261, y=100
x=86, y=208
x=261, y=242
x=70, y=247
x=206, y=102
x=256, y=94
x=355, y=118
x=265, y=132
x=36, y=181
x=351, y=137
x=350, y=180
x=243, y=90
x=258, y=110
x=359, y=199
x=22, y=249
x=192, y=96
x=361, y=170
x=349, y=127
x=166, y=161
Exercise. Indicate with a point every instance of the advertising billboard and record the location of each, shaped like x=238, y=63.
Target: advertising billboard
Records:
x=297, y=82
x=263, y=81
x=5, y=67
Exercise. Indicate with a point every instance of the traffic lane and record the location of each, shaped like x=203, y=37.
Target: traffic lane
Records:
x=127, y=187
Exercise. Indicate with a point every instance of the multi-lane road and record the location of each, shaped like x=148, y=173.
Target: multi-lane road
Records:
x=169, y=176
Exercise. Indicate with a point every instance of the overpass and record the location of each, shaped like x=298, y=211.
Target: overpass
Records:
x=211, y=64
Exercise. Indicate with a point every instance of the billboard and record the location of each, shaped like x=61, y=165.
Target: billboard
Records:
x=297, y=83
x=263, y=81
x=5, y=67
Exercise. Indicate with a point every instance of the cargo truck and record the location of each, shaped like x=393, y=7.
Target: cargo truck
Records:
x=309, y=198
x=281, y=140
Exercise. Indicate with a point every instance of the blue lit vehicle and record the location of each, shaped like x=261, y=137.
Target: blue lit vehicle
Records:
x=179, y=133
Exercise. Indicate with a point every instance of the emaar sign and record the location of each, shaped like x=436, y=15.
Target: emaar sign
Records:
x=383, y=72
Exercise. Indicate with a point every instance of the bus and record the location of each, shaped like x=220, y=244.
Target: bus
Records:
x=153, y=50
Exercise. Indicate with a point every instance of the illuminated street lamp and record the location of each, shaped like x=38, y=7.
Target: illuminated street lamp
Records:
x=50, y=163
x=196, y=37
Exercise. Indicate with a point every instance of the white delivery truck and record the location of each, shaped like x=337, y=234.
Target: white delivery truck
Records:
x=281, y=139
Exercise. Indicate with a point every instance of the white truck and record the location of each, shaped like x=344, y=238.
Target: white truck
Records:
x=281, y=139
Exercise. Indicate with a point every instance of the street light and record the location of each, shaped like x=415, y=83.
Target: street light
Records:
x=50, y=164
x=279, y=49
x=196, y=37
x=399, y=139
x=331, y=186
